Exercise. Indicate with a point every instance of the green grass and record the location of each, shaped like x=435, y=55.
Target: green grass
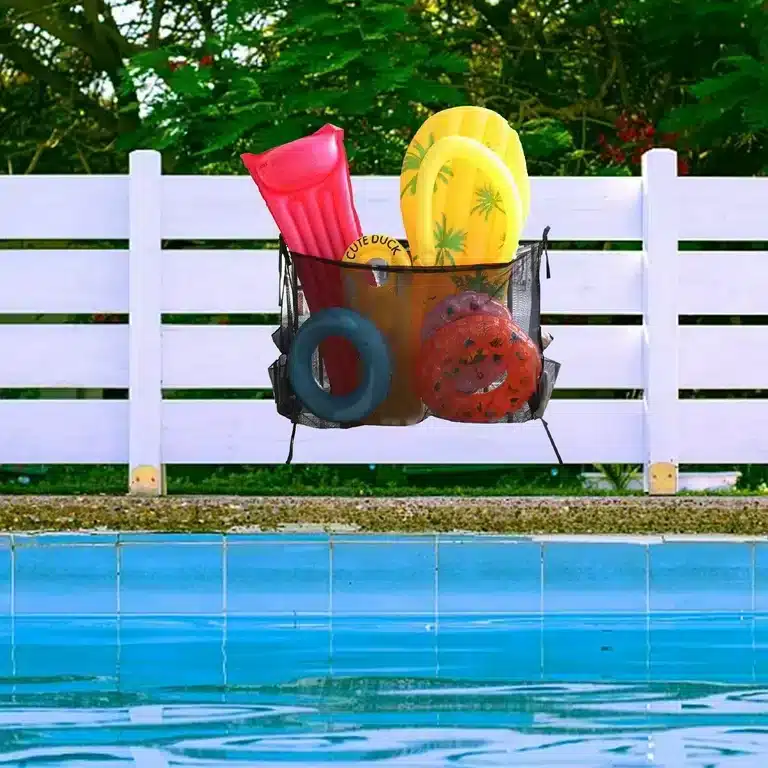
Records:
x=336, y=480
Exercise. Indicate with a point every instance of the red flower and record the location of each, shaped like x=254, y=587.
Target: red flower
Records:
x=206, y=61
x=174, y=65
x=608, y=152
x=683, y=167
x=620, y=157
x=649, y=130
x=601, y=139
x=99, y=318
x=628, y=134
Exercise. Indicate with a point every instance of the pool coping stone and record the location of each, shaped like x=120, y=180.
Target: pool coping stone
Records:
x=719, y=517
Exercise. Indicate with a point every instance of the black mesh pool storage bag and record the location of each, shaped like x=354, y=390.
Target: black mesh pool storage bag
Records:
x=458, y=343
x=374, y=332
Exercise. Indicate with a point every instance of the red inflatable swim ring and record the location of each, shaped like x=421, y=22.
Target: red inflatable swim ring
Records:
x=452, y=375
x=469, y=304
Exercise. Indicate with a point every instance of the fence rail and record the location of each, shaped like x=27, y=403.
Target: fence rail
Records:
x=157, y=269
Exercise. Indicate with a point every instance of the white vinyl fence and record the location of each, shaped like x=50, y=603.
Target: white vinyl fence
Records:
x=658, y=356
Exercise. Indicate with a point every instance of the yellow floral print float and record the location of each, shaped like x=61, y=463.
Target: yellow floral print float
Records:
x=434, y=239
x=469, y=219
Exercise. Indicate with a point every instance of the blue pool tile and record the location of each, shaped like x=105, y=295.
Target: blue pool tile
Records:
x=384, y=577
x=170, y=538
x=171, y=578
x=488, y=576
x=6, y=567
x=6, y=653
x=761, y=576
x=700, y=576
x=383, y=538
x=278, y=577
x=710, y=647
x=278, y=538
x=490, y=648
x=594, y=578
x=598, y=648
x=173, y=657
x=760, y=649
x=66, y=579
x=298, y=651
x=65, y=657
x=60, y=539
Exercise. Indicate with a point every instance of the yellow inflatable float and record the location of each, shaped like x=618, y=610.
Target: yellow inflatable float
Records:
x=468, y=205
x=431, y=243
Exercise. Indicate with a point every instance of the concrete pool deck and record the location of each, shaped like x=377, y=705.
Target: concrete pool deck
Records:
x=731, y=515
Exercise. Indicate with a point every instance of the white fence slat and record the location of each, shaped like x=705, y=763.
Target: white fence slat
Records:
x=214, y=208
x=64, y=356
x=231, y=431
x=660, y=319
x=237, y=356
x=723, y=282
x=63, y=282
x=217, y=357
x=713, y=209
x=219, y=282
x=64, y=208
x=145, y=345
x=594, y=283
x=585, y=208
x=232, y=356
x=229, y=281
x=729, y=431
x=231, y=208
x=204, y=432
x=724, y=357
x=64, y=431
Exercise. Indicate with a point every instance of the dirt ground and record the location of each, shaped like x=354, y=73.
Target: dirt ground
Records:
x=746, y=516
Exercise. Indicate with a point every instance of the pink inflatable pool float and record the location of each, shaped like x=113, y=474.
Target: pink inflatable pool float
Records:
x=308, y=190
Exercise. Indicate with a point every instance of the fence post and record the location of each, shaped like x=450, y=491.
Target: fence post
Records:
x=660, y=320
x=147, y=474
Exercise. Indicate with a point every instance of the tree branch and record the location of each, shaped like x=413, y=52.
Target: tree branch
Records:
x=32, y=66
x=497, y=16
x=157, y=18
x=205, y=17
x=69, y=29
x=613, y=45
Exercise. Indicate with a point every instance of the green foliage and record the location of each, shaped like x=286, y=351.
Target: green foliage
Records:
x=725, y=110
x=310, y=480
x=619, y=476
x=546, y=138
x=205, y=81
x=368, y=66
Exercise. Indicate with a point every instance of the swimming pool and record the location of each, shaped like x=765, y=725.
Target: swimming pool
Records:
x=302, y=649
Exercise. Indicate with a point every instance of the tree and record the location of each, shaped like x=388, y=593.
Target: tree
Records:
x=589, y=84
x=372, y=67
x=74, y=57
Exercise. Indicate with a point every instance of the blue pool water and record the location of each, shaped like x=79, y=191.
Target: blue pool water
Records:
x=451, y=651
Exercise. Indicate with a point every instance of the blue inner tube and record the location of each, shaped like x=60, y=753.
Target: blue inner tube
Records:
x=374, y=354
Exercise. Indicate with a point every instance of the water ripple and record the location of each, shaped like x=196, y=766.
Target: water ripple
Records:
x=598, y=693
